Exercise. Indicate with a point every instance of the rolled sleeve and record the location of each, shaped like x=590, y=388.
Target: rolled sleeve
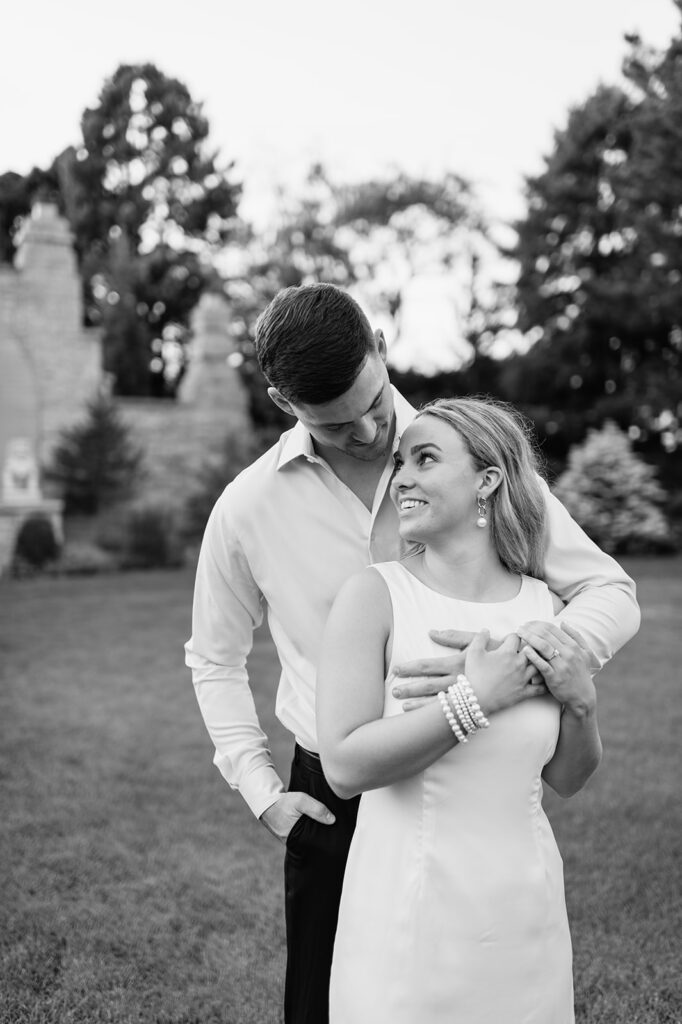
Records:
x=600, y=597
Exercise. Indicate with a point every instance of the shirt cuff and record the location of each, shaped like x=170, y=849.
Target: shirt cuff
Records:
x=261, y=788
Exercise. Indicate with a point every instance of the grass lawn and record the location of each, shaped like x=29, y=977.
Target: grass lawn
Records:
x=138, y=889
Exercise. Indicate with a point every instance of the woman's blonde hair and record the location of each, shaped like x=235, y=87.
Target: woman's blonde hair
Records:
x=495, y=434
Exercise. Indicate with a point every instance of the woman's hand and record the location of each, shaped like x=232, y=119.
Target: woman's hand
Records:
x=562, y=657
x=500, y=678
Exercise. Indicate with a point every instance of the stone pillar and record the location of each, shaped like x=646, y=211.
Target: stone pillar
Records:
x=212, y=378
x=65, y=358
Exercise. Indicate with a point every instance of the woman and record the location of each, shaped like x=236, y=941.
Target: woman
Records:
x=453, y=906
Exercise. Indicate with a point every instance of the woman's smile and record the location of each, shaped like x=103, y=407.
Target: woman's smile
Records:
x=407, y=504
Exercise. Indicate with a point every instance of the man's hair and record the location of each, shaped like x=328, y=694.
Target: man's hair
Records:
x=495, y=434
x=312, y=342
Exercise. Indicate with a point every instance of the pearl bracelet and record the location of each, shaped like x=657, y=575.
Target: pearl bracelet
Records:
x=460, y=707
x=473, y=706
x=451, y=718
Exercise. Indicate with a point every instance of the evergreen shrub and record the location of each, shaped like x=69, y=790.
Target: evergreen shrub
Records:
x=151, y=538
x=96, y=460
x=614, y=495
x=36, y=544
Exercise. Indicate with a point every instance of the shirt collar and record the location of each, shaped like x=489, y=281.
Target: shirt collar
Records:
x=299, y=443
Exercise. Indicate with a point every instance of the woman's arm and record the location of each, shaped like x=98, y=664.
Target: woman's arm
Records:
x=360, y=749
x=579, y=749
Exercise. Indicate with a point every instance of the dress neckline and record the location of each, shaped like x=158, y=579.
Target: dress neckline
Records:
x=461, y=600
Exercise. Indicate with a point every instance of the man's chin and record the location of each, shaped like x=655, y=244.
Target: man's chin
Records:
x=370, y=454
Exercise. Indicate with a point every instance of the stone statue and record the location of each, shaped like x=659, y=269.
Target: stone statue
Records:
x=20, y=479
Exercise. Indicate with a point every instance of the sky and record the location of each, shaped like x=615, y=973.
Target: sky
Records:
x=365, y=86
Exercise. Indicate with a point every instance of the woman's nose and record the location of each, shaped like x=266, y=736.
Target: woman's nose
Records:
x=401, y=479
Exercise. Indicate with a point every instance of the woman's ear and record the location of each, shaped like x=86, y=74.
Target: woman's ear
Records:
x=489, y=480
x=280, y=401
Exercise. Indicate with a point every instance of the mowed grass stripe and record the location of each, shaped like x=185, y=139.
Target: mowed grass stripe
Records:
x=139, y=889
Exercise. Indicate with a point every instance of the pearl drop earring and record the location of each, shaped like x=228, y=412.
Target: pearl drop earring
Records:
x=482, y=520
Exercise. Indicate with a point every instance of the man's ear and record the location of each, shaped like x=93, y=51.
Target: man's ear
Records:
x=281, y=402
x=380, y=343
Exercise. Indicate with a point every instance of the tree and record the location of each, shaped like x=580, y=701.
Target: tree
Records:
x=96, y=460
x=145, y=167
x=600, y=253
x=145, y=182
x=373, y=238
x=404, y=229
x=614, y=494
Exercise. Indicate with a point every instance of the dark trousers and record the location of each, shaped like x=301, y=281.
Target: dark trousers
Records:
x=313, y=875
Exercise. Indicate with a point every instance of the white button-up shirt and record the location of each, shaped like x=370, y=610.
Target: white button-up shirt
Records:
x=284, y=536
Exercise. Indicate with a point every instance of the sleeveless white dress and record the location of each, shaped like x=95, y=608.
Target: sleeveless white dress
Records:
x=453, y=908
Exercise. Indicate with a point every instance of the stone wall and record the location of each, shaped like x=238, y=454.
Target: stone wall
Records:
x=177, y=440
x=178, y=437
x=50, y=366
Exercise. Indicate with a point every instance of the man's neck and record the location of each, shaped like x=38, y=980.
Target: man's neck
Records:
x=360, y=476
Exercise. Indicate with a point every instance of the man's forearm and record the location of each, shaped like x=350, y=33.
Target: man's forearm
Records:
x=600, y=597
x=242, y=753
x=606, y=616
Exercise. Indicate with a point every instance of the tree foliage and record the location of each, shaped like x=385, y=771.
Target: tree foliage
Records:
x=614, y=494
x=146, y=182
x=372, y=238
x=144, y=186
x=600, y=252
x=145, y=166
x=96, y=460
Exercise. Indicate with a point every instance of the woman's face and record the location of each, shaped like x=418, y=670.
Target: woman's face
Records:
x=435, y=484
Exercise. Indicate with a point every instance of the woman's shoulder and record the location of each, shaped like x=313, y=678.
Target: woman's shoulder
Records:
x=362, y=602
x=537, y=590
x=369, y=584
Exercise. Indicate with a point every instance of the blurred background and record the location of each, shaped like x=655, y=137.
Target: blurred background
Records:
x=500, y=187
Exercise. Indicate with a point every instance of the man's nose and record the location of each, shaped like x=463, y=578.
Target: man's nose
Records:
x=365, y=430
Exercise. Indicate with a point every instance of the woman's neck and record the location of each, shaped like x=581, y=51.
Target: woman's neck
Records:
x=466, y=570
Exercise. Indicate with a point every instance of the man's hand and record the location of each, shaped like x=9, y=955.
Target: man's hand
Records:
x=430, y=675
x=563, y=658
x=280, y=817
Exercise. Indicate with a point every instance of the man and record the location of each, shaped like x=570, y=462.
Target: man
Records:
x=308, y=514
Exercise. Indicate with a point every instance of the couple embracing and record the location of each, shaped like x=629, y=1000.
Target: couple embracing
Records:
x=376, y=537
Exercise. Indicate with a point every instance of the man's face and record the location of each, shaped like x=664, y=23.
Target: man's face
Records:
x=360, y=422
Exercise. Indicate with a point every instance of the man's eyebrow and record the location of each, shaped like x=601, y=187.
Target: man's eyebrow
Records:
x=347, y=423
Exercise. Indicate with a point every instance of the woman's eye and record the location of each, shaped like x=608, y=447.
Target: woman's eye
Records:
x=423, y=456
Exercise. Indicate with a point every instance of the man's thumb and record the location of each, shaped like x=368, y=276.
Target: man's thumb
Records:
x=314, y=809
x=480, y=642
x=457, y=638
